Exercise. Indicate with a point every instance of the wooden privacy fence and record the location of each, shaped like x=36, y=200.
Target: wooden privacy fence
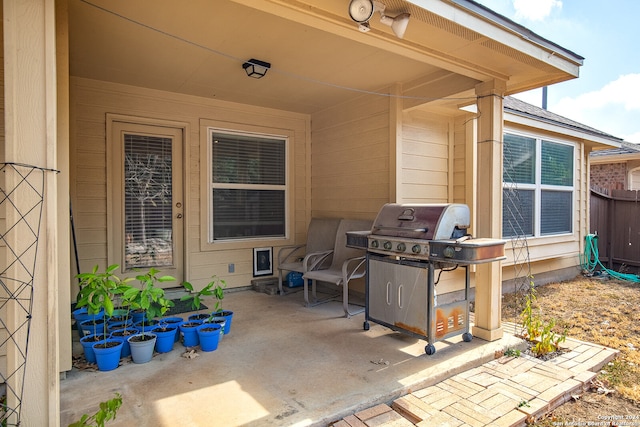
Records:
x=615, y=219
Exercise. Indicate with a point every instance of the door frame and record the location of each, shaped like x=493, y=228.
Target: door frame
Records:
x=113, y=253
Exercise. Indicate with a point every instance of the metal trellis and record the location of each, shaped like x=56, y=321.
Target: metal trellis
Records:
x=22, y=197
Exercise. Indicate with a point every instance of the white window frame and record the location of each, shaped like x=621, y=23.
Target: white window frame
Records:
x=538, y=187
x=211, y=186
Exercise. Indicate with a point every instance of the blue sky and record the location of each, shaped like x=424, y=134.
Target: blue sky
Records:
x=606, y=96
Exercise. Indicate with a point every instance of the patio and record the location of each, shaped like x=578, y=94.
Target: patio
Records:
x=282, y=364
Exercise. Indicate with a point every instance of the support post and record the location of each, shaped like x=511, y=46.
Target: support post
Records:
x=29, y=36
x=488, y=304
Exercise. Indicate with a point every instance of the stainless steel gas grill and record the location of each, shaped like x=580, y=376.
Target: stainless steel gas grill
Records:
x=405, y=246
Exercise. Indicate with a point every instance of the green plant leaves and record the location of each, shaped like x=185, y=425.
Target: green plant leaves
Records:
x=107, y=412
x=214, y=288
x=537, y=331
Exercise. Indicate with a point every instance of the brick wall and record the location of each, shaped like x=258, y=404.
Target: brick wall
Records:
x=610, y=176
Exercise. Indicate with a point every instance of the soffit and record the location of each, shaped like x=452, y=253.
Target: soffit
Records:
x=318, y=56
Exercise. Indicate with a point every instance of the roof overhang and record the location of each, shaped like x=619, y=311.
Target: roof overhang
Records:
x=616, y=158
x=318, y=55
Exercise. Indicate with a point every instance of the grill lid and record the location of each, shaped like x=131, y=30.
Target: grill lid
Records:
x=422, y=221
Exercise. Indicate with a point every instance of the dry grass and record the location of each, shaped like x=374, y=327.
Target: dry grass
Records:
x=605, y=312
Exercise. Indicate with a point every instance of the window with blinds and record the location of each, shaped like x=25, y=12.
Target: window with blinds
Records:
x=248, y=186
x=539, y=176
x=519, y=159
x=147, y=201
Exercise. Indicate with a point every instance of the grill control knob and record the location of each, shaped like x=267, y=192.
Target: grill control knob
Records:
x=375, y=244
x=387, y=245
x=449, y=252
x=416, y=249
x=401, y=247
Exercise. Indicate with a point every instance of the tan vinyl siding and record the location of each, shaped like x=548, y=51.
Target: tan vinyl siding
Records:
x=93, y=100
x=545, y=271
x=462, y=162
x=425, y=162
x=350, y=159
x=582, y=196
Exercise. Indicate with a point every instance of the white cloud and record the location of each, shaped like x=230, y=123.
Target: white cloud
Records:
x=614, y=108
x=622, y=92
x=535, y=10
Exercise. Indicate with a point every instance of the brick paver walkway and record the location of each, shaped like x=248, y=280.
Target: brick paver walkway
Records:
x=503, y=392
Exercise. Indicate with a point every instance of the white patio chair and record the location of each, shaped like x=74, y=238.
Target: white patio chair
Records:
x=347, y=264
x=315, y=254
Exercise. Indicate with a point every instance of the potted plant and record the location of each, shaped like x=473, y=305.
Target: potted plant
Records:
x=188, y=328
x=152, y=301
x=124, y=329
x=218, y=316
x=166, y=333
x=214, y=288
x=97, y=293
x=218, y=312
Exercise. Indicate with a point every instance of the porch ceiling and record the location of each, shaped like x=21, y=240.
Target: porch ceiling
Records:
x=318, y=56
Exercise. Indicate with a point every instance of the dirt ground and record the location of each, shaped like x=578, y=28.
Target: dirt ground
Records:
x=602, y=311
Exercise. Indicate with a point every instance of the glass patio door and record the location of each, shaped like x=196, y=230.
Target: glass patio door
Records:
x=148, y=200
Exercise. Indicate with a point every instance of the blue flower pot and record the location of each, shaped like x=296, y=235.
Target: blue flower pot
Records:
x=228, y=315
x=165, y=337
x=118, y=325
x=122, y=335
x=209, y=335
x=199, y=316
x=87, y=345
x=221, y=321
x=175, y=321
x=107, y=357
x=120, y=315
x=81, y=314
x=92, y=326
x=138, y=316
x=188, y=333
x=146, y=325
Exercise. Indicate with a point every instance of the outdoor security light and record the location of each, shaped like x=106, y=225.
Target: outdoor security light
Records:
x=361, y=12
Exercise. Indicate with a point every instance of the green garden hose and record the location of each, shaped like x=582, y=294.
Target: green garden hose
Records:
x=591, y=260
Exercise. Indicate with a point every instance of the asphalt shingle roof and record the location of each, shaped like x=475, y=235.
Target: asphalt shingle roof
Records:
x=626, y=148
x=516, y=106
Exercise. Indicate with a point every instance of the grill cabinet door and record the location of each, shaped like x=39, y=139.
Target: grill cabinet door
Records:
x=398, y=295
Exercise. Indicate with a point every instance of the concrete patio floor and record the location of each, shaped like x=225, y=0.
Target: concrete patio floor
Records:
x=283, y=364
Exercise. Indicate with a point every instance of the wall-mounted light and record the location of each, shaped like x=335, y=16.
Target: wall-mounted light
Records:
x=361, y=12
x=256, y=68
